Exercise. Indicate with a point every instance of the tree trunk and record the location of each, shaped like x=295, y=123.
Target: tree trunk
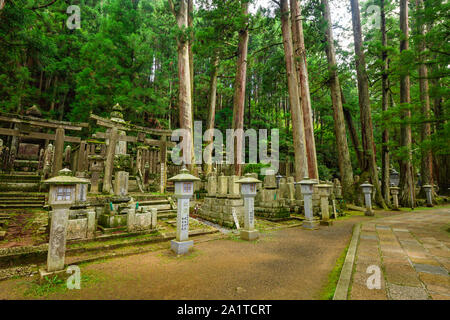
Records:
x=303, y=87
x=385, y=157
x=301, y=160
x=345, y=164
x=239, y=91
x=212, y=110
x=406, y=173
x=426, y=167
x=364, y=106
x=185, y=101
x=352, y=130
x=191, y=52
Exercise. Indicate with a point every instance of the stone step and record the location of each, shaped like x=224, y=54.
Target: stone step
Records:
x=22, y=195
x=26, y=202
x=19, y=178
x=21, y=199
x=155, y=202
x=19, y=206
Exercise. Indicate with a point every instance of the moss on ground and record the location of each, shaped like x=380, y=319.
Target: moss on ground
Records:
x=328, y=290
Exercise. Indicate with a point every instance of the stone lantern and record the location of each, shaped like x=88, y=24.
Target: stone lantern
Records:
x=307, y=188
x=184, y=190
x=394, y=178
x=248, y=191
x=324, y=193
x=367, y=191
x=394, y=192
x=428, y=191
x=62, y=195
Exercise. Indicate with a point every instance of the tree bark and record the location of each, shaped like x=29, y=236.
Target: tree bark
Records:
x=212, y=110
x=301, y=160
x=345, y=164
x=191, y=52
x=239, y=91
x=385, y=157
x=407, y=193
x=427, y=159
x=364, y=106
x=352, y=130
x=303, y=87
x=184, y=75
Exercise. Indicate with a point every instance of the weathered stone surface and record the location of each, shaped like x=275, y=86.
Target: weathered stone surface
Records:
x=121, y=183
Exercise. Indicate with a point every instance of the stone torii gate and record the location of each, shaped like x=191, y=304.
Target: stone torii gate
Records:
x=116, y=134
x=22, y=129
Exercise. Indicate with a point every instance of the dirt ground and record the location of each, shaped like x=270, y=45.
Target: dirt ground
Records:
x=23, y=228
x=291, y=263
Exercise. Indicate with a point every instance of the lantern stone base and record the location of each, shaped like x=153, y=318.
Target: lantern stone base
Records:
x=181, y=247
x=45, y=275
x=369, y=213
x=310, y=225
x=326, y=223
x=249, y=235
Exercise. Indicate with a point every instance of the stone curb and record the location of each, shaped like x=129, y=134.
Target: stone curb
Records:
x=346, y=273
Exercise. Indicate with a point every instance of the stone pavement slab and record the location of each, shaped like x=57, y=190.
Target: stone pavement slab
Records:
x=412, y=253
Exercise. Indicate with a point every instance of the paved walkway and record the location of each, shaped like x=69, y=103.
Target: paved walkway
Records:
x=412, y=252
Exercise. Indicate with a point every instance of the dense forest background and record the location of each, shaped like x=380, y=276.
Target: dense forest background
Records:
x=126, y=52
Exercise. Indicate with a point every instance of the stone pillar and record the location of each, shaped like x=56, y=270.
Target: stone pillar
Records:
x=154, y=212
x=233, y=187
x=131, y=216
x=249, y=232
x=307, y=189
x=91, y=224
x=163, y=162
x=429, y=193
x=211, y=187
x=222, y=186
x=81, y=160
x=324, y=193
x=57, y=243
x=394, y=192
x=109, y=164
x=59, y=150
x=121, y=183
x=95, y=179
x=248, y=191
x=270, y=181
x=184, y=190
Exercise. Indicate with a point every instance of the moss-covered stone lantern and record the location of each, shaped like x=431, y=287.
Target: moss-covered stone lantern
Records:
x=62, y=196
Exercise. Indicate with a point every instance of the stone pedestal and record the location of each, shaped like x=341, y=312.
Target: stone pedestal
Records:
x=181, y=247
